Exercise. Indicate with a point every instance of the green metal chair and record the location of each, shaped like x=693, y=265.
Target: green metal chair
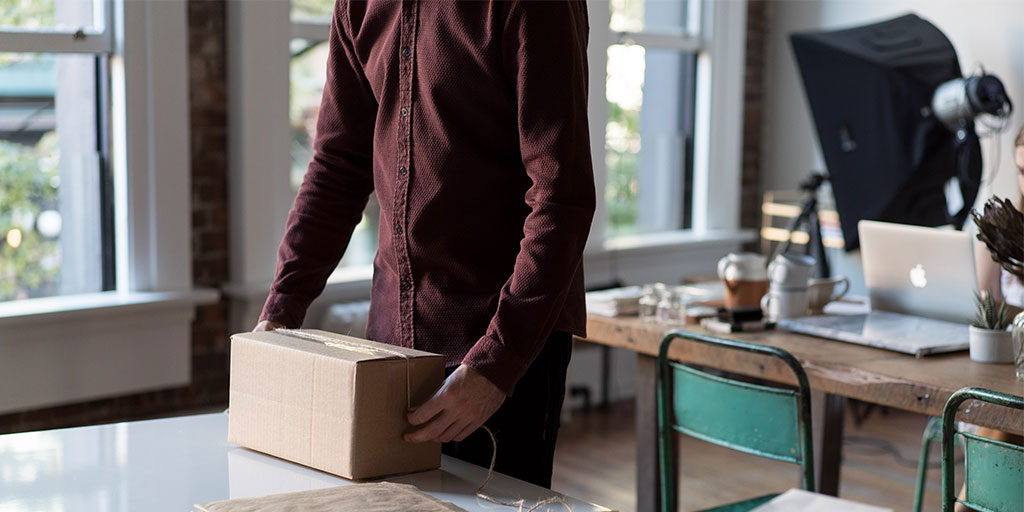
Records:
x=993, y=470
x=932, y=434
x=760, y=420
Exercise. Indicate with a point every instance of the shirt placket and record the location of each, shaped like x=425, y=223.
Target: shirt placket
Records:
x=406, y=60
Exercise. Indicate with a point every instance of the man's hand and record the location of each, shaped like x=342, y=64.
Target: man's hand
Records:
x=267, y=325
x=465, y=401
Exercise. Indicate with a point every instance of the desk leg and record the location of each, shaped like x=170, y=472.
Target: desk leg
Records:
x=647, y=497
x=829, y=456
x=606, y=376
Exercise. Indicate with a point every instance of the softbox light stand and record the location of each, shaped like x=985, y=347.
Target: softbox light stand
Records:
x=870, y=90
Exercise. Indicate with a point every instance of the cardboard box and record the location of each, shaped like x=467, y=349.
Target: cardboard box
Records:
x=332, y=402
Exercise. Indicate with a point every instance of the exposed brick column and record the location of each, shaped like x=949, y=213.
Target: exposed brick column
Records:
x=753, y=99
x=209, y=120
x=207, y=82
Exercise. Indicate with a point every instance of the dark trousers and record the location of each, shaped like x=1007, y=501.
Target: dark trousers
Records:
x=526, y=424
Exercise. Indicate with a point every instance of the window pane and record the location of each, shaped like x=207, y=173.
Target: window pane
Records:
x=51, y=14
x=622, y=135
x=664, y=16
x=308, y=74
x=51, y=220
x=312, y=9
x=649, y=150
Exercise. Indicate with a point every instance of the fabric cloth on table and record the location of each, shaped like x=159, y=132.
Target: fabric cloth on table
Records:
x=373, y=497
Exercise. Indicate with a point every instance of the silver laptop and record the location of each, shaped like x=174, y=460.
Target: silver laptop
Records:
x=921, y=284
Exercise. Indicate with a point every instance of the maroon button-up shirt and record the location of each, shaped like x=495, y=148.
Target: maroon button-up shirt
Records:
x=469, y=118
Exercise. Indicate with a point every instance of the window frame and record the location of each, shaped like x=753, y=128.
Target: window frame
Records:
x=89, y=42
x=138, y=336
x=719, y=39
x=688, y=40
x=258, y=69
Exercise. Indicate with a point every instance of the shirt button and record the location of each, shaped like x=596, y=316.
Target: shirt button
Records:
x=406, y=52
x=405, y=286
x=404, y=111
x=403, y=171
x=398, y=229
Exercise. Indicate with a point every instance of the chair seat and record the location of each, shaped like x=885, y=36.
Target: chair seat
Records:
x=741, y=506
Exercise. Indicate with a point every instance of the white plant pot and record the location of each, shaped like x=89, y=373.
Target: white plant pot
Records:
x=988, y=346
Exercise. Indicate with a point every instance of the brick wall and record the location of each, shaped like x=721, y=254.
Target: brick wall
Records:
x=209, y=244
x=753, y=99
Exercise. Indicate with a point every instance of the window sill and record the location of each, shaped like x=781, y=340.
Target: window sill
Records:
x=653, y=242
x=90, y=305
x=70, y=349
x=629, y=259
x=660, y=257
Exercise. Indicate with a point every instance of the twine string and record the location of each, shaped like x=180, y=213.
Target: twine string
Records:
x=521, y=502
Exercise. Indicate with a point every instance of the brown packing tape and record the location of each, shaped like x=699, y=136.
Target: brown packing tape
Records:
x=356, y=347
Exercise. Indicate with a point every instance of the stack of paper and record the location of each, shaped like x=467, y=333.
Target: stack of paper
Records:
x=615, y=301
x=796, y=500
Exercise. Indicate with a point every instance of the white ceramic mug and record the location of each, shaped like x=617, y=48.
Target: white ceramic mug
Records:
x=822, y=291
x=742, y=266
x=791, y=270
x=779, y=304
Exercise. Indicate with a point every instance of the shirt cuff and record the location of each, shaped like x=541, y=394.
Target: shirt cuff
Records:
x=287, y=310
x=490, y=358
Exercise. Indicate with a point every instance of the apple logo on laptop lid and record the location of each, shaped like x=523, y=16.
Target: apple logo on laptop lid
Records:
x=918, y=276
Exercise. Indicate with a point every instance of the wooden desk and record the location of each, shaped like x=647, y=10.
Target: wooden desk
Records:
x=841, y=370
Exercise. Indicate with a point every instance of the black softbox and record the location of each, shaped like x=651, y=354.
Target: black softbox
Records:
x=870, y=89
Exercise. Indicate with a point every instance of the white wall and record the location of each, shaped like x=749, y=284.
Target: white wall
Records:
x=989, y=32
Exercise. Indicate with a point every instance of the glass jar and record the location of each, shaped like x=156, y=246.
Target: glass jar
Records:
x=1018, y=345
x=650, y=297
x=672, y=308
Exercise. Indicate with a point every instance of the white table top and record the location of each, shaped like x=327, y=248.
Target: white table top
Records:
x=172, y=464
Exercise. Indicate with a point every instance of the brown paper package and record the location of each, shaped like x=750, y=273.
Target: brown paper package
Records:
x=331, y=402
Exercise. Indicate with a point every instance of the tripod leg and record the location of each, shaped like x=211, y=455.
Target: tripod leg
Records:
x=816, y=246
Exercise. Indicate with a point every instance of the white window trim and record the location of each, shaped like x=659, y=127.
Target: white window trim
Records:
x=72, y=348
x=261, y=195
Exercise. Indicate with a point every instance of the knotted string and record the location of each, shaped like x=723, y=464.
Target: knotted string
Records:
x=520, y=503
x=357, y=347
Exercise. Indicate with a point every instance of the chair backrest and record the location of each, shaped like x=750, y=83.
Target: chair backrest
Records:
x=751, y=418
x=993, y=470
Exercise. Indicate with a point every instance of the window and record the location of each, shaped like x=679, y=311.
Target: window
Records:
x=56, y=222
x=649, y=135
x=311, y=23
x=94, y=178
x=666, y=80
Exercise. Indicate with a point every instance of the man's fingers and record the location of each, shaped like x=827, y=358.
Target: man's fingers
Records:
x=453, y=430
x=469, y=429
x=431, y=431
x=427, y=410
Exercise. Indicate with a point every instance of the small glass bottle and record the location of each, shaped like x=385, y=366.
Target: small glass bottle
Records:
x=1018, y=345
x=672, y=308
x=649, y=299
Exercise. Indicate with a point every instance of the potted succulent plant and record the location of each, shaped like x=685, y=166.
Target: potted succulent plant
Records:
x=990, y=341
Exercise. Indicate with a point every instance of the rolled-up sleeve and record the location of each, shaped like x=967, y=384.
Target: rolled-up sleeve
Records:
x=545, y=46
